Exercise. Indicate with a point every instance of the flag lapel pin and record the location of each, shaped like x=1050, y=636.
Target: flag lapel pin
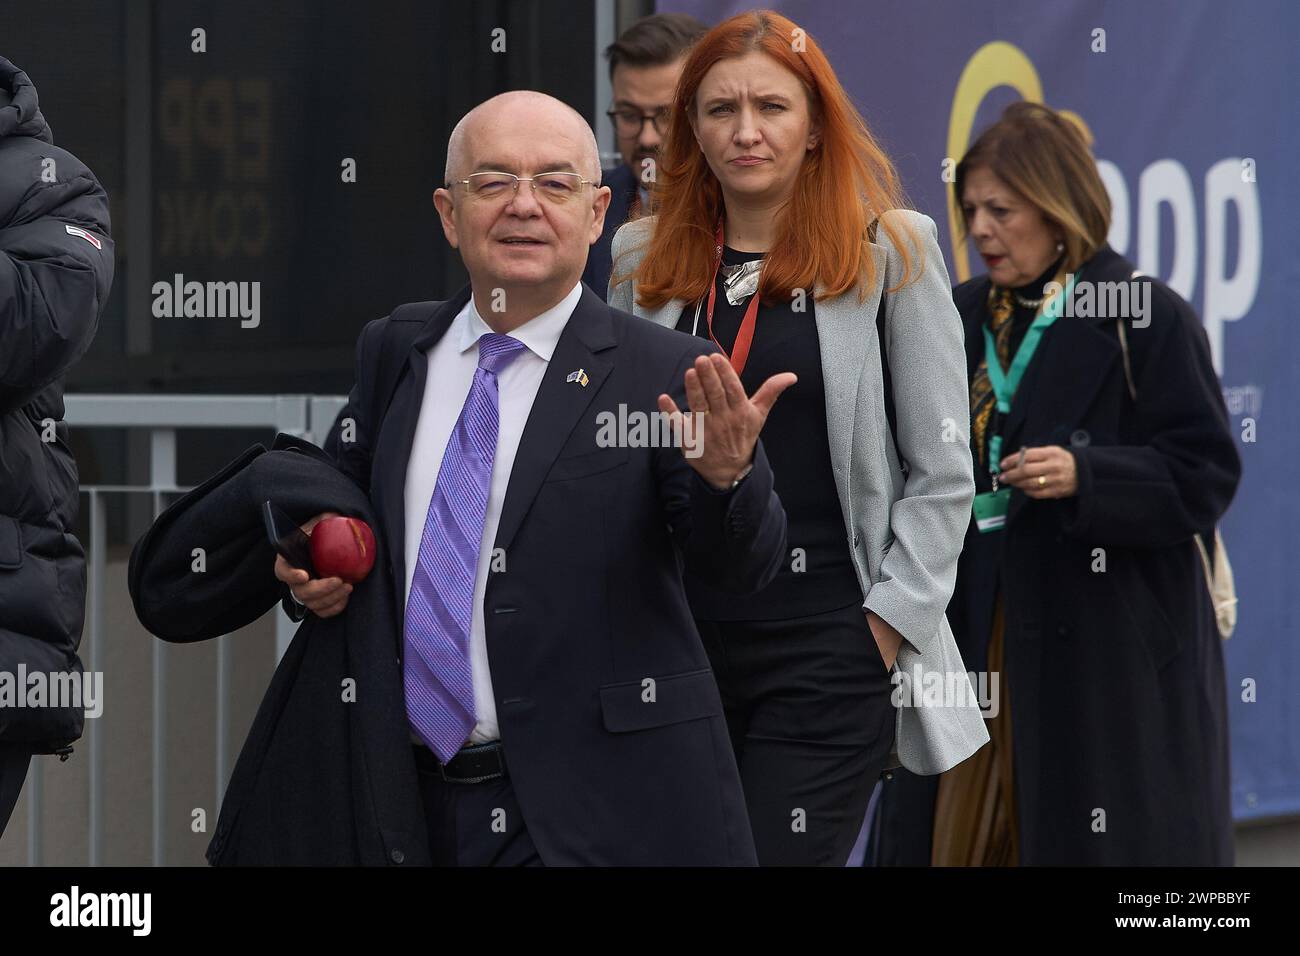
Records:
x=579, y=376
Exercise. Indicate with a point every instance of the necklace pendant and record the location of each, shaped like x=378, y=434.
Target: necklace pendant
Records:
x=742, y=281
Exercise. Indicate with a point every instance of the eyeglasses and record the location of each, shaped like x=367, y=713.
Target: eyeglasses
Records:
x=630, y=122
x=557, y=187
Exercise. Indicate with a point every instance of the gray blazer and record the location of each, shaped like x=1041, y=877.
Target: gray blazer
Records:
x=906, y=528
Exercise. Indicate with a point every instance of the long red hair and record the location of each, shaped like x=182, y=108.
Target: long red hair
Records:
x=845, y=184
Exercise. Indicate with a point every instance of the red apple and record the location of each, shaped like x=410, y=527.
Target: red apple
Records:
x=342, y=548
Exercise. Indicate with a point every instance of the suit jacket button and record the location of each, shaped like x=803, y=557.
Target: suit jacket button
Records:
x=1080, y=439
x=1062, y=630
x=397, y=856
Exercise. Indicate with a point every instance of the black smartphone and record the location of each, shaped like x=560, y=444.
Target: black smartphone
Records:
x=287, y=538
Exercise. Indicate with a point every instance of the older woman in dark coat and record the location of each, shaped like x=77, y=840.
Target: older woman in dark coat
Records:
x=1090, y=600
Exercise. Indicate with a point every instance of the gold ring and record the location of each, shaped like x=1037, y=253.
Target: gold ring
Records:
x=1042, y=480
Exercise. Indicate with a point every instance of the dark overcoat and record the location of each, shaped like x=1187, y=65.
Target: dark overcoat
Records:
x=326, y=775
x=1113, y=664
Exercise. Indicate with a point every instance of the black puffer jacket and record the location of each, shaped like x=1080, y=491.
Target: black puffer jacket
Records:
x=56, y=267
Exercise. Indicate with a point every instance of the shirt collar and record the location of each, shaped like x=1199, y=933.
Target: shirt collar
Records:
x=540, y=334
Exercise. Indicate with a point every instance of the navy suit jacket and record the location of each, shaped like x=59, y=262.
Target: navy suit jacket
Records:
x=622, y=183
x=610, y=717
x=613, y=728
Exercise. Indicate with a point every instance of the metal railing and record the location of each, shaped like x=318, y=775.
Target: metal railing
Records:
x=305, y=416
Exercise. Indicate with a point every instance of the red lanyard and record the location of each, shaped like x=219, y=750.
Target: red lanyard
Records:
x=744, y=337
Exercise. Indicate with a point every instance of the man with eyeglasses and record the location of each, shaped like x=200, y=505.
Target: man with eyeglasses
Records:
x=644, y=65
x=558, y=699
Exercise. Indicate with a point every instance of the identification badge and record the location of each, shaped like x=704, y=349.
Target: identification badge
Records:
x=991, y=510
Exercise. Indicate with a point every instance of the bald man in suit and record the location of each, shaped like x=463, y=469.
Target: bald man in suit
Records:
x=560, y=702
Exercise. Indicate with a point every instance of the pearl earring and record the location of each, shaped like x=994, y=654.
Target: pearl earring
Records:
x=1060, y=247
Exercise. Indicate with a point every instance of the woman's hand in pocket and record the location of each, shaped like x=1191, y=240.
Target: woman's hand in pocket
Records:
x=888, y=640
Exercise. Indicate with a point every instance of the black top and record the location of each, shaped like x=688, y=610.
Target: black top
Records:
x=820, y=576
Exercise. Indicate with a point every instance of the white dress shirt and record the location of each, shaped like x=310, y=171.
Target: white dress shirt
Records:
x=452, y=361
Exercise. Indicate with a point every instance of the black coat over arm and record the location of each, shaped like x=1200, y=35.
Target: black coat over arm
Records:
x=326, y=775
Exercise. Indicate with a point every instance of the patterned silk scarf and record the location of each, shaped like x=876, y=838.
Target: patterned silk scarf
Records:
x=982, y=399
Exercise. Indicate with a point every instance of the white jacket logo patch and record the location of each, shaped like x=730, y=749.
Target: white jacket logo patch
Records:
x=74, y=231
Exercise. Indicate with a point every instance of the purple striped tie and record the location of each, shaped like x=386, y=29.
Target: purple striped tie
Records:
x=439, y=609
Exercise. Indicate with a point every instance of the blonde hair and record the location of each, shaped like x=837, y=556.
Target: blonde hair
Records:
x=1045, y=158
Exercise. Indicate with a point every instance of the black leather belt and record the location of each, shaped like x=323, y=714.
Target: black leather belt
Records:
x=474, y=764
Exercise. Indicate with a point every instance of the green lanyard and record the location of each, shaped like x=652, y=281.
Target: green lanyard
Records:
x=1004, y=384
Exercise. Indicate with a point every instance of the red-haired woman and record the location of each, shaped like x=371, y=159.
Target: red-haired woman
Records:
x=779, y=229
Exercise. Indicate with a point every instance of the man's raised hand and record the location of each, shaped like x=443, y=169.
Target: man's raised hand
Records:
x=728, y=421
